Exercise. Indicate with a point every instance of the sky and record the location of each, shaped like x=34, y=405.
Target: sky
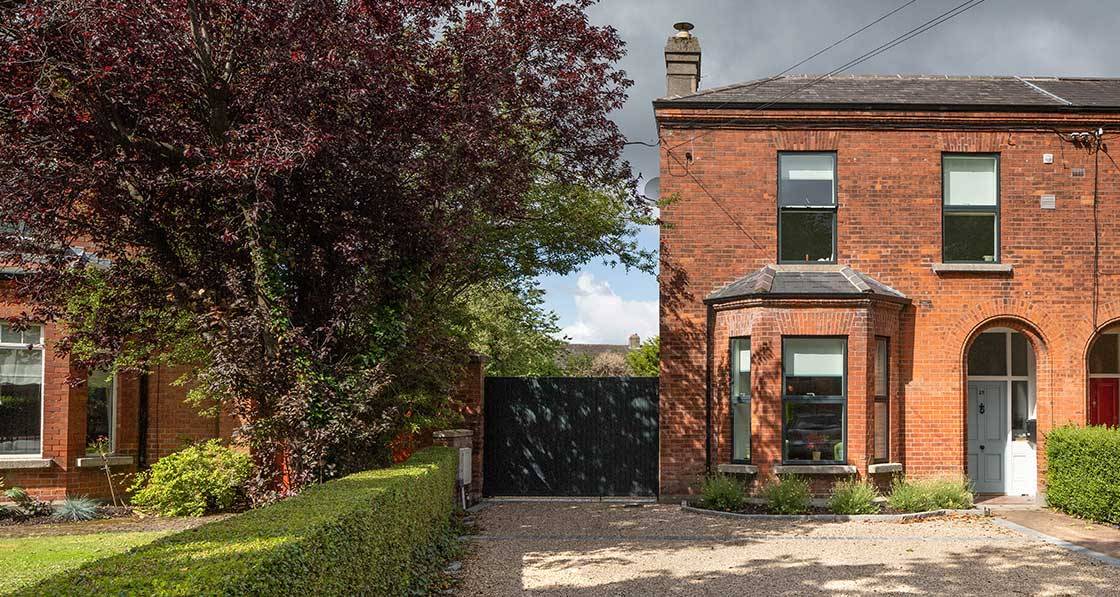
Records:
x=747, y=39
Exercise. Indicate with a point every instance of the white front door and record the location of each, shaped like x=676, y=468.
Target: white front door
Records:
x=988, y=434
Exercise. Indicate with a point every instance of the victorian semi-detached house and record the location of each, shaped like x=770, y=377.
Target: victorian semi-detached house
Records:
x=884, y=274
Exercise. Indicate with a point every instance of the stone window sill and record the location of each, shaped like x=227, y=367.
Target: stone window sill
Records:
x=738, y=469
x=95, y=461
x=974, y=268
x=815, y=469
x=15, y=463
x=884, y=467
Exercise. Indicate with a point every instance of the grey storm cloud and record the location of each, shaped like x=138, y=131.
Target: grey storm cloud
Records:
x=743, y=40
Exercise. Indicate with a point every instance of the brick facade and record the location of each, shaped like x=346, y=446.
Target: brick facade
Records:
x=719, y=172
x=171, y=424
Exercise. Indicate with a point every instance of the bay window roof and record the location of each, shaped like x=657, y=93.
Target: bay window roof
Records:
x=805, y=281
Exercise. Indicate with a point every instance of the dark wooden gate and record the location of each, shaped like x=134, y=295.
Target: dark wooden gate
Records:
x=571, y=436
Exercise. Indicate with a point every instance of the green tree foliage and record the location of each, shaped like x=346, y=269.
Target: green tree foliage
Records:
x=511, y=327
x=644, y=361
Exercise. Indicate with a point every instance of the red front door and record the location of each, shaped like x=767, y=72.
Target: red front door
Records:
x=1104, y=402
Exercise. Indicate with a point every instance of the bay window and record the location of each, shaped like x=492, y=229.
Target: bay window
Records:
x=814, y=378
x=970, y=208
x=806, y=207
x=21, y=390
x=740, y=399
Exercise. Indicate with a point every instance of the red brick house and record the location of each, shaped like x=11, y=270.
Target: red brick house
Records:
x=46, y=422
x=872, y=275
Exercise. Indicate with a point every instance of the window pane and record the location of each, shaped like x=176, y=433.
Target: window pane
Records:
x=99, y=407
x=1103, y=356
x=1020, y=409
x=807, y=179
x=970, y=180
x=882, y=431
x=881, y=370
x=807, y=235
x=741, y=429
x=741, y=367
x=813, y=356
x=1019, y=349
x=21, y=391
x=32, y=335
x=970, y=236
x=988, y=355
x=814, y=431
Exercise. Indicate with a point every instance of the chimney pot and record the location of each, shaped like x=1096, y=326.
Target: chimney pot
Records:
x=682, y=61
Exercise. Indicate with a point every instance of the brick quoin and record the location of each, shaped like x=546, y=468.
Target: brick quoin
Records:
x=719, y=175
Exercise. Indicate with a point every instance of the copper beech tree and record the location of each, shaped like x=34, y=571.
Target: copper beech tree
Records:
x=291, y=195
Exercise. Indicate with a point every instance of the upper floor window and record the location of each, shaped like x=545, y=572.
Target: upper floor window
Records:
x=807, y=207
x=970, y=212
x=21, y=390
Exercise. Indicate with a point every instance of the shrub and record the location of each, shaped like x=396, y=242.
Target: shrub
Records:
x=722, y=492
x=853, y=496
x=1083, y=474
x=200, y=479
x=379, y=532
x=788, y=494
x=76, y=509
x=28, y=505
x=930, y=494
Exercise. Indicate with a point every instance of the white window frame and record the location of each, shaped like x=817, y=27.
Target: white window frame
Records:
x=112, y=418
x=39, y=346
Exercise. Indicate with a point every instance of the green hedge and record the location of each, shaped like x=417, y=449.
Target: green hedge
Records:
x=372, y=533
x=1083, y=472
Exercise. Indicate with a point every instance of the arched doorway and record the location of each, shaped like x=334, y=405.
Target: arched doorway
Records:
x=1104, y=379
x=1001, y=415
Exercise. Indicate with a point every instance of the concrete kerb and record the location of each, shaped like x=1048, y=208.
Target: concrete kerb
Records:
x=912, y=516
x=1096, y=555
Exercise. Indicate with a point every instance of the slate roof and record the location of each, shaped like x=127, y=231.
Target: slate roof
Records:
x=805, y=281
x=903, y=91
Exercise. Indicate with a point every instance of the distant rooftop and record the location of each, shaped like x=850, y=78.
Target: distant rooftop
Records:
x=855, y=91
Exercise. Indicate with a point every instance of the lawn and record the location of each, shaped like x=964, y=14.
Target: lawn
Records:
x=26, y=560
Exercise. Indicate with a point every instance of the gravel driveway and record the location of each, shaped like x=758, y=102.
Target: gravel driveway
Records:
x=606, y=549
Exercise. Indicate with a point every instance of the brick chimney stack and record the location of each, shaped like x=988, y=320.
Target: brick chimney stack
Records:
x=682, y=62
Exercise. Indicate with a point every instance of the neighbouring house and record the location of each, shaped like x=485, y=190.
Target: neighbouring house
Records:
x=47, y=422
x=591, y=351
x=874, y=275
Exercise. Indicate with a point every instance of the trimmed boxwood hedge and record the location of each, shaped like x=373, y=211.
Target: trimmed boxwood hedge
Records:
x=371, y=533
x=1083, y=472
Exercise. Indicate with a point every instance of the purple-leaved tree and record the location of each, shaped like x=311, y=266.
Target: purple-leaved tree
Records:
x=292, y=194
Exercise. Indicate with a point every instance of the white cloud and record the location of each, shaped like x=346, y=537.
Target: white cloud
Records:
x=603, y=317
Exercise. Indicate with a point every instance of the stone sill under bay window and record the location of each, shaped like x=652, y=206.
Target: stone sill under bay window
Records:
x=884, y=467
x=814, y=469
x=21, y=463
x=96, y=462
x=738, y=469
